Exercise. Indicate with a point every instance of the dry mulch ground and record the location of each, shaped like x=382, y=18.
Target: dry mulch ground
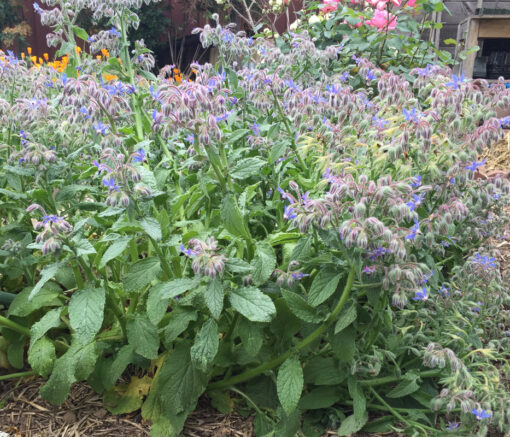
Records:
x=23, y=413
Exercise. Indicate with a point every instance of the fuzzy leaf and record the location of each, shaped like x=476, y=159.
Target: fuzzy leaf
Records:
x=407, y=386
x=117, y=247
x=152, y=227
x=143, y=336
x=142, y=273
x=301, y=308
x=179, y=320
x=213, y=297
x=263, y=264
x=175, y=287
x=247, y=167
x=47, y=273
x=206, y=345
x=345, y=318
x=232, y=218
x=358, y=398
x=41, y=356
x=50, y=320
x=323, y=286
x=86, y=312
x=253, y=304
x=289, y=384
x=352, y=425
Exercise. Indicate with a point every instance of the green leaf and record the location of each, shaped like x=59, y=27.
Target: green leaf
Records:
x=177, y=386
x=251, y=335
x=323, y=286
x=343, y=344
x=41, y=356
x=156, y=305
x=319, y=398
x=126, y=398
x=238, y=134
x=450, y=41
x=152, y=227
x=352, y=425
x=232, y=218
x=116, y=368
x=236, y=265
x=119, y=245
x=22, y=307
x=301, y=308
x=47, y=273
x=206, y=345
x=358, y=397
x=247, y=167
x=263, y=263
x=289, y=384
x=50, y=320
x=345, y=318
x=86, y=312
x=143, y=336
x=406, y=387
x=142, y=273
x=253, y=304
x=323, y=371
x=179, y=320
x=213, y=297
x=80, y=33
x=173, y=288
x=75, y=365
x=83, y=246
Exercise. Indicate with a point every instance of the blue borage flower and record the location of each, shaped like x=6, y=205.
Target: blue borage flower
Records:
x=380, y=123
x=456, y=82
x=345, y=76
x=421, y=294
x=299, y=275
x=416, y=202
x=475, y=165
x=37, y=8
x=414, y=230
x=452, y=426
x=85, y=112
x=481, y=414
x=190, y=138
x=485, y=261
x=288, y=213
x=255, y=128
x=114, y=32
x=100, y=128
x=416, y=181
x=368, y=270
x=444, y=291
x=370, y=76
x=424, y=72
x=139, y=156
x=411, y=115
x=110, y=183
x=49, y=219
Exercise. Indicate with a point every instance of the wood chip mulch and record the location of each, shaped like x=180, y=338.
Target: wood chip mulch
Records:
x=23, y=413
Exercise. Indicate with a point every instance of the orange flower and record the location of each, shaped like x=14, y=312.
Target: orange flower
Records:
x=40, y=60
x=29, y=50
x=105, y=53
x=98, y=57
x=109, y=77
x=45, y=56
x=22, y=55
x=78, y=49
x=33, y=59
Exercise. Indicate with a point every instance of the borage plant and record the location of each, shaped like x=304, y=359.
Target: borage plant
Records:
x=265, y=234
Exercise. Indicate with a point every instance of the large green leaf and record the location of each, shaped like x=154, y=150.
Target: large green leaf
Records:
x=408, y=385
x=289, y=384
x=86, y=312
x=179, y=320
x=117, y=366
x=323, y=286
x=247, y=167
x=206, y=345
x=142, y=273
x=232, y=218
x=47, y=273
x=152, y=227
x=351, y=425
x=251, y=335
x=50, y=320
x=345, y=318
x=301, y=308
x=213, y=297
x=175, y=287
x=22, y=307
x=358, y=398
x=41, y=356
x=75, y=365
x=263, y=263
x=143, y=336
x=253, y=304
x=118, y=246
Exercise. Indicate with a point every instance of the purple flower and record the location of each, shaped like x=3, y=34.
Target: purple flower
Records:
x=299, y=275
x=100, y=128
x=452, y=426
x=51, y=219
x=190, y=138
x=485, y=261
x=155, y=94
x=110, y=183
x=285, y=195
x=416, y=202
x=64, y=79
x=139, y=156
x=379, y=123
x=369, y=269
x=187, y=252
x=476, y=165
x=37, y=8
x=414, y=230
x=370, y=76
x=477, y=308
x=255, y=128
x=481, y=414
x=444, y=291
x=417, y=181
x=424, y=72
x=344, y=76
x=333, y=89
x=421, y=294
x=114, y=32
x=288, y=213
x=410, y=115
x=456, y=82
x=85, y=112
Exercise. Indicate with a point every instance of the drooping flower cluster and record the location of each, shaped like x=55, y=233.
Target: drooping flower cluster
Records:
x=205, y=259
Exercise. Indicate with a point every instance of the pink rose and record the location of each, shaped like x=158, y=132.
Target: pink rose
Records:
x=329, y=6
x=381, y=20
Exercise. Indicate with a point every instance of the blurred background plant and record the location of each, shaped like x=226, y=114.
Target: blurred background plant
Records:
x=13, y=30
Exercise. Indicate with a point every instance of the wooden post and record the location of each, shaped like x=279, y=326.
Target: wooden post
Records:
x=471, y=41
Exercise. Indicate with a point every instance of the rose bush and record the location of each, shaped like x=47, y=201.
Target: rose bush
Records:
x=292, y=239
